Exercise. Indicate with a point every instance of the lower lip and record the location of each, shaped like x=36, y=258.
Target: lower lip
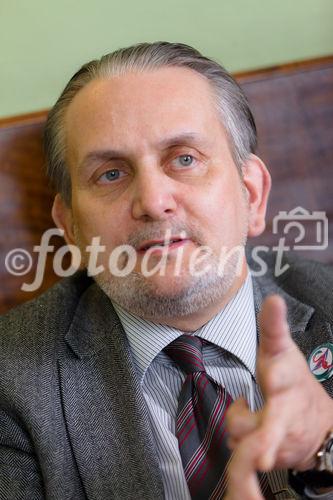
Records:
x=161, y=249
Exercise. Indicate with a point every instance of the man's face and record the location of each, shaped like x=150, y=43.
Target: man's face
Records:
x=147, y=153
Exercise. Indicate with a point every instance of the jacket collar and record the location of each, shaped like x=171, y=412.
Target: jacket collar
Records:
x=298, y=313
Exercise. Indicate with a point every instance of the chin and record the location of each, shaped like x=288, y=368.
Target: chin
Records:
x=166, y=296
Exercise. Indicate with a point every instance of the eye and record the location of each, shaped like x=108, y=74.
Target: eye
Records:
x=110, y=175
x=184, y=160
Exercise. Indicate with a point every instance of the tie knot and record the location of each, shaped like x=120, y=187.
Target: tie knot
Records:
x=186, y=351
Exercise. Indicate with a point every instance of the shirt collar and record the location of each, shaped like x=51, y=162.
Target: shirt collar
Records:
x=232, y=329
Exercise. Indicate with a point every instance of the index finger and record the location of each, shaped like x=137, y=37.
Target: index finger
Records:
x=274, y=329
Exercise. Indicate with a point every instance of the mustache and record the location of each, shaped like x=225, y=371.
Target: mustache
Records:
x=158, y=231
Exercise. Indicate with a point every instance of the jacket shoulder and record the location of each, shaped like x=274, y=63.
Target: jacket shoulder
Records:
x=309, y=281
x=48, y=315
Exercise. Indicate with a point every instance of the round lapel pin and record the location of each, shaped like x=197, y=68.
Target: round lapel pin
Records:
x=321, y=362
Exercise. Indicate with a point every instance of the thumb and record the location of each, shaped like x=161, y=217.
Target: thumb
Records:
x=274, y=330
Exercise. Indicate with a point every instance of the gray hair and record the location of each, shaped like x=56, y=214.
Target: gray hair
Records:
x=231, y=101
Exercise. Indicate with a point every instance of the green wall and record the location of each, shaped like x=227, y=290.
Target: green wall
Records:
x=42, y=42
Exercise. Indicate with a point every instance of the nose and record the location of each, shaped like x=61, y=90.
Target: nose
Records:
x=153, y=196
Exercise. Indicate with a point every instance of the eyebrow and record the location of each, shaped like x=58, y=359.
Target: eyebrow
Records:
x=177, y=140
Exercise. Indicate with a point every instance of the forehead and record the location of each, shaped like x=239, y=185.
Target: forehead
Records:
x=141, y=104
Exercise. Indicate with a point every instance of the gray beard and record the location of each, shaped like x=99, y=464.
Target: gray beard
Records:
x=141, y=297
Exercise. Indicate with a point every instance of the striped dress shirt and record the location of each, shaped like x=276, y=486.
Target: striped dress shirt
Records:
x=229, y=358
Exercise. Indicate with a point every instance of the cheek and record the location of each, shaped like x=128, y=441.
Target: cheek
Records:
x=224, y=217
x=94, y=221
x=101, y=217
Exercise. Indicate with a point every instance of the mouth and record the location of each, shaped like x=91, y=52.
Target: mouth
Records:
x=160, y=245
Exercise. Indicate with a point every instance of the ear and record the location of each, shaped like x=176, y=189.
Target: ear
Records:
x=63, y=218
x=257, y=181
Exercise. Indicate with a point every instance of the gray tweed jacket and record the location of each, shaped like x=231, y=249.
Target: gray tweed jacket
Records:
x=73, y=420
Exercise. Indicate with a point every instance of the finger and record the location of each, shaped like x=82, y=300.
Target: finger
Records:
x=259, y=449
x=243, y=466
x=271, y=437
x=274, y=330
x=278, y=375
x=280, y=363
x=240, y=420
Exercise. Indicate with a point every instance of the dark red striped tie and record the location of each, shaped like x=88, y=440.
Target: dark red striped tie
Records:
x=200, y=424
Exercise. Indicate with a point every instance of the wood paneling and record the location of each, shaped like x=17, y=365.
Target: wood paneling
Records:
x=293, y=108
x=25, y=204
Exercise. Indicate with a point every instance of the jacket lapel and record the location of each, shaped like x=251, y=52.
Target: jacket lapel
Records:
x=309, y=328
x=104, y=408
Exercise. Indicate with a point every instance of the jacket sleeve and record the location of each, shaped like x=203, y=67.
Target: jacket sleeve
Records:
x=20, y=477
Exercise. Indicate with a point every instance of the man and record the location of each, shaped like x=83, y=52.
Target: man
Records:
x=152, y=147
